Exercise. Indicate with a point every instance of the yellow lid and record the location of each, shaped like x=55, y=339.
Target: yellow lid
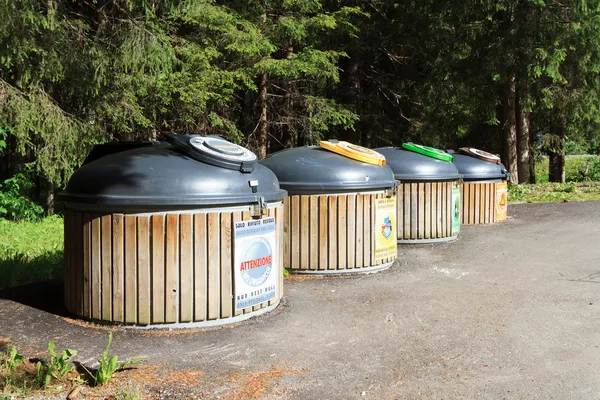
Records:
x=354, y=151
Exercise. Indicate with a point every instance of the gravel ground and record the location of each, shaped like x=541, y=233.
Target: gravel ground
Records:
x=507, y=311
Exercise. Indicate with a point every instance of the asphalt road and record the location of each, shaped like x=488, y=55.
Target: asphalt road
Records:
x=507, y=311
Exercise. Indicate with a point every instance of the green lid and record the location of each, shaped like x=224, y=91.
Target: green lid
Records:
x=428, y=151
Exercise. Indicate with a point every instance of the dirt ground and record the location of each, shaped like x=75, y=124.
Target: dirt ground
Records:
x=509, y=311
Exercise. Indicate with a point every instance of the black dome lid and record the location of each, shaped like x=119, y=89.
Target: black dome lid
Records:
x=313, y=170
x=161, y=176
x=411, y=166
x=475, y=169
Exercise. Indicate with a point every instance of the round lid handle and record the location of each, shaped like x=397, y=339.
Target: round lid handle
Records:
x=482, y=155
x=353, y=151
x=215, y=150
x=428, y=151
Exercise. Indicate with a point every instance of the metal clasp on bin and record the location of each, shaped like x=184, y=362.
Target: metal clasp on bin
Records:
x=259, y=209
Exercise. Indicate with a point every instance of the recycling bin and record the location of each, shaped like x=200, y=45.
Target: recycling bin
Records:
x=340, y=216
x=183, y=233
x=483, y=192
x=428, y=196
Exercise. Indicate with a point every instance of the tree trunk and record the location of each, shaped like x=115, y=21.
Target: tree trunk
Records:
x=510, y=131
x=556, y=171
x=523, y=144
x=263, y=121
x=533, y=152
x=50, y=198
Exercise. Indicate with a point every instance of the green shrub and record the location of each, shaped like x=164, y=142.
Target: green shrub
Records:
x=14, y=200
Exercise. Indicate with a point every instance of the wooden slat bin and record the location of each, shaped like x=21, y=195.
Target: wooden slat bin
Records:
x=335, y=233
x=182, y=233
x=426, y=212
x=163, y=268
x=340, y=215
x=483, y=202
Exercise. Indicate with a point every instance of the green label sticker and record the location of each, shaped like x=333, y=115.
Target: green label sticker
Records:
x=455, y=210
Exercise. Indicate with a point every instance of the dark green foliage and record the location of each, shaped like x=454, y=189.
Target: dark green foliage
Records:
x=279, y=73
x=15, y=199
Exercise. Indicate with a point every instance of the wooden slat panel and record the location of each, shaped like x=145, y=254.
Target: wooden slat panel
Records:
x=332, y=233
x=106, y=250
x=400, y=211
x=96, y=268
x=341, y=233
x=226, y=262
x=492, y=197
x=477, y=204
x=434, y=210
x=295, y=232
x=304, y=232
x=464, y=200
x=472, y=202
x=422, y=211
x=374, y=228
x=351, y=235
x=67, y=261
x=118, y=267
x=359, y=231
x=71, y=278
x=158, y=269
x=87, y=257
x=130, y=269
x=287, y=259
x=427, y=209
x=200, y=267
x=237, y=217
x=74, y=261
x=482, y=202
x=171, y=267
x=186, y=268
x=143, y=267
x=407, y=211
x=275, y=264
x=448, y=189
x=279, y=229
x=246, y=217
x=440, y=210
x=367, y=223
x=314, y=233
x=214, y=265
x=414, y=210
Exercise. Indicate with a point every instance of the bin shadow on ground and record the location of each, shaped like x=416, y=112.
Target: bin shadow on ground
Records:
x=45, y=295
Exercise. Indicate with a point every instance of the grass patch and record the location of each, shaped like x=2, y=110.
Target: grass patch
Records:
x=30, y=251
x=552, y=192
x=576, y=169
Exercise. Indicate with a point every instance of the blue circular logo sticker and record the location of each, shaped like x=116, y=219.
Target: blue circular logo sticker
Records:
x=257, y=263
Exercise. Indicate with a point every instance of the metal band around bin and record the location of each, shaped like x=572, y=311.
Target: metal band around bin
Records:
x=352, y=271
x=424, y=241
x=220, y=322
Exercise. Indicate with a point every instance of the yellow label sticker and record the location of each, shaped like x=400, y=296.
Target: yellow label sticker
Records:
x=385, y=228
x=501, y=201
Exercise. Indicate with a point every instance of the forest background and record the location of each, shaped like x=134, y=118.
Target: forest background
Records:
x=519, y=78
